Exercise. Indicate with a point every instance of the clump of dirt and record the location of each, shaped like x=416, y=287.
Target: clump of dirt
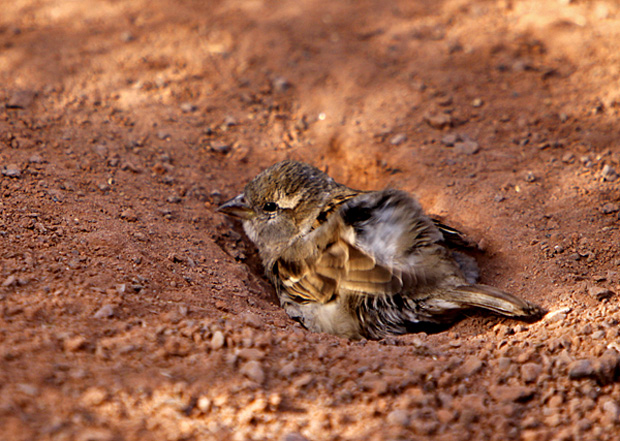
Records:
x=129, y=309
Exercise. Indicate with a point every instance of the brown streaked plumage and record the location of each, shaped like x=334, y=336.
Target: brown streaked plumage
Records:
x=360, y=264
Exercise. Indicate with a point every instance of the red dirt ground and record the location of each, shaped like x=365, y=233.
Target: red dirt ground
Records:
x=130, y=310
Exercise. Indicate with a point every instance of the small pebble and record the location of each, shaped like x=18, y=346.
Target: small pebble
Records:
x=530, y=177
x=399, y=417
x=176, y=258
x=606, y=366
x=600, y=293
x=530, y=372
x=586, y=161
x=470, y=367
x=557, y=315
x=511, y=393
x=398, y=139
x=303, y=380
x=74, y=344
x=568, y=158
x=580, y=369
x=610, y=208
x=611, y=412
x=275, y=399
x=445, y=100
x=20, y=99
x=127, y=37
x=530, y=422
x=294, y=436
x=129, y=215
x=188, y=107
x=131, y=167
x=217, y=341
x=230, y=121
x=28, y=389
x=106, y=311
x=477, y=102
x=467, y=147
x=439, y=121
x=203, y=404
x=254, y=371
x=220, y=147
x=36, y=159
x=288, y=370
x=450, y=139
x=11, y=280
x=12, y=171
x=94, y=396
x=281, y=84
x=503, y=363
x=251, y=354
x=608, y=173
x=252, y=320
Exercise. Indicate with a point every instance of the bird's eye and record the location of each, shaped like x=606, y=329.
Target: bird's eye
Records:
x=270, y=207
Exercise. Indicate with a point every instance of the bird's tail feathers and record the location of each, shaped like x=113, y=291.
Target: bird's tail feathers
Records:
x=494, y=300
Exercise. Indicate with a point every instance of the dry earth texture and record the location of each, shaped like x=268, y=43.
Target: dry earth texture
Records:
x=130, y=310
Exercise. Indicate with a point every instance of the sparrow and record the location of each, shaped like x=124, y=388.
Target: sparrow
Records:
x=360, y=264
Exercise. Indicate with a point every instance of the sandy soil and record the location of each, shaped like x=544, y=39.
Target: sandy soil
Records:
x=129, y=310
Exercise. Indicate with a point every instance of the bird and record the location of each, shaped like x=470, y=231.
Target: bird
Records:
x=361, y=264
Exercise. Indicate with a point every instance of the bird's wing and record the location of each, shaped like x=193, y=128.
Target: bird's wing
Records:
x=337, y=266
x=453, y=238
x=370, y=246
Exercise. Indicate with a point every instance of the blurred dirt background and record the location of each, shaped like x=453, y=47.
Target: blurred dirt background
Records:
x=129, y=310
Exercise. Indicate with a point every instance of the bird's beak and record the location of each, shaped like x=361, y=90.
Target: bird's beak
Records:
x=237, y=207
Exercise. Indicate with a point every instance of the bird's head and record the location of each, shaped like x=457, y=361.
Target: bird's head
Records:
x=281, y=204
